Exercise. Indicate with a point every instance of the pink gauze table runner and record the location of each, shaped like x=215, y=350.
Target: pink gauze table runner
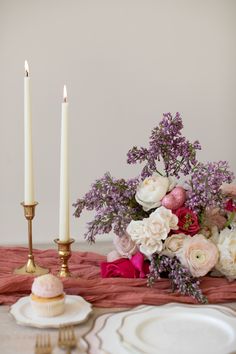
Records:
x=86, y=282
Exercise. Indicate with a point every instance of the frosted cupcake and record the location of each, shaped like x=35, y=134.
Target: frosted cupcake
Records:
x=47, y=297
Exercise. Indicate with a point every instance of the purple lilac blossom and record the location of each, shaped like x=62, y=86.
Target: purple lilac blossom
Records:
x=166, y=144
x=204, y=185
x=180, y=277
x=114, y=203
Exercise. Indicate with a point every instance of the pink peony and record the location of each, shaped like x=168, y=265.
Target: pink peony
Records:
x=121, y=268
x=199, y=255
x=136, y=267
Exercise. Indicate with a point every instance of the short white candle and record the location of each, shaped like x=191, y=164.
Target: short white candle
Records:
x=28, y=152
x=64, y=225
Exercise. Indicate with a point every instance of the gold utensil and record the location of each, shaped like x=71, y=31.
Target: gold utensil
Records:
x=43, y=344
x=67, y=339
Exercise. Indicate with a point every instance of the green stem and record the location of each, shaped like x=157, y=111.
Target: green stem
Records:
x=179, y=163
x=159, y=173
x=229, y=221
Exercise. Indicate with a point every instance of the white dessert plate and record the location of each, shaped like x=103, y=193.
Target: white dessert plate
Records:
x=76, y=311
x=179, y=329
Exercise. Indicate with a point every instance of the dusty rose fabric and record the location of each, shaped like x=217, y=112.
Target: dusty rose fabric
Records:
x=109, y=292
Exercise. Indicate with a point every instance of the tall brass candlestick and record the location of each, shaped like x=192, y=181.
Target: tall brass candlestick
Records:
x=64, y=253
x=30, y=268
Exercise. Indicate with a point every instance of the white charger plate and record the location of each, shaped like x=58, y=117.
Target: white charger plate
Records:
x=106, y=339
x=76, y=311
x=179, y=329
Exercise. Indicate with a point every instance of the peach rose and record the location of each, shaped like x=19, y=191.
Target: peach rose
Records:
x=174, y=244
x=229, y=189
x=125, y=246
x=199, y=255
x=213, y=217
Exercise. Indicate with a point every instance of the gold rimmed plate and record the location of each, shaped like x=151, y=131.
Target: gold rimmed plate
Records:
x=179, y=328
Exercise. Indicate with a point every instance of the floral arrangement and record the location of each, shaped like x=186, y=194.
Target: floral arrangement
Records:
x=176, y=219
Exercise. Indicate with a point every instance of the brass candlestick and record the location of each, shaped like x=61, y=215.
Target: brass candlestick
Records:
x=30, y=268
x=64, y=252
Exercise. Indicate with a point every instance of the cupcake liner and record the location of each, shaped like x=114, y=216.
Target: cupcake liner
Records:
x=48, y=309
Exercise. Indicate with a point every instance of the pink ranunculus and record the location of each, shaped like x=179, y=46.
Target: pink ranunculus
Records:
x=199, y=255
x=124, y=245
x=188, y=222
x=136, y=267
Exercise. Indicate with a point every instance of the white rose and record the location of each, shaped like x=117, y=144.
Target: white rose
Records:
x=150, y=246
x=157, y=226
x=226, y=244
x=151, y=191
x=150, y=232
x=166, y=214
x=141, y=233
x=137, y=229
x=173, y=245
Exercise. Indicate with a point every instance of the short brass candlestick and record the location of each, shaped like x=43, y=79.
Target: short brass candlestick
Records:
x=30, y=268
x=64, y=253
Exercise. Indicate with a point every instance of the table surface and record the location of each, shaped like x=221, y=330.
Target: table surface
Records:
x=19, y=339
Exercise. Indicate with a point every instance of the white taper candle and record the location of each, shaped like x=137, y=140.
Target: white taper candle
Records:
x=28, y=152
x=64, y=225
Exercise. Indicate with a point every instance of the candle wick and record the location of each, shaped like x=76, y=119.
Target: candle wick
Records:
x=26, y=73
x=65, y=99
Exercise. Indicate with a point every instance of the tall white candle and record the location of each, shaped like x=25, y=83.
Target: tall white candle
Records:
x=64, y=225
x=28, y=153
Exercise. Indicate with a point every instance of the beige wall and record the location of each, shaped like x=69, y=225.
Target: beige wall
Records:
x=124, y=62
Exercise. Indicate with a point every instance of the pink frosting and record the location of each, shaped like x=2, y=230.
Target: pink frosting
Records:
x=47, y=286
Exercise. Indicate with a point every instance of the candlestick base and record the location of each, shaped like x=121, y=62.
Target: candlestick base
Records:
x=64, y=253
x=31, y=268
